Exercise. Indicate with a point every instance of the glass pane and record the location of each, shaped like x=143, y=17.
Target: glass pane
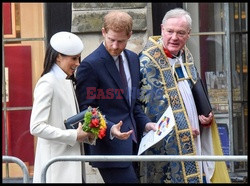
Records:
x=29, y=20
x=240, y=136
x=236, y=17
x=211, y=48
x=217, y=91
x=246, y=127
x=243, y=16
x=239, y=58
x=245, y=66
x=211, y=17
x=18, y=141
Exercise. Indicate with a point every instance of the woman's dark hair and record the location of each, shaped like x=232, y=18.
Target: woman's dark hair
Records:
x=49, y=60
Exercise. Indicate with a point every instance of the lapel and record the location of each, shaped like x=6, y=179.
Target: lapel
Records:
x=113, y=71
x=111, y=68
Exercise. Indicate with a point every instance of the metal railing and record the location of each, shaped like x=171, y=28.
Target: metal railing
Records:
x=126, y=158
x=16, y=160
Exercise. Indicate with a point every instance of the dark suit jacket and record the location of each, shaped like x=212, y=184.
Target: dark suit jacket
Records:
x=99, y=85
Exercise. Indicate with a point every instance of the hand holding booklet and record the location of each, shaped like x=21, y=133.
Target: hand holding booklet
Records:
x=164, y=126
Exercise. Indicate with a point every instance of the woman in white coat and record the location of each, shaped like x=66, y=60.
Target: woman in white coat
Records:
x=54, y=102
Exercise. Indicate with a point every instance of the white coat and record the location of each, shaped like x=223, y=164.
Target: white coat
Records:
x=53, y=103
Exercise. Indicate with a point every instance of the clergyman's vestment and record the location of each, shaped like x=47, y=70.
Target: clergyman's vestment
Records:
x=168, y=82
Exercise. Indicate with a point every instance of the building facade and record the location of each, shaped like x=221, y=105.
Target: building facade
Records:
x=218, y=42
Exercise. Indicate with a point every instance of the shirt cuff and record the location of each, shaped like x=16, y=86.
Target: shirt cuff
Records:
x=110, y=135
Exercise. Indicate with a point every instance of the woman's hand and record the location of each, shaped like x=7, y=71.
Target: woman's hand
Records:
x=82, y=135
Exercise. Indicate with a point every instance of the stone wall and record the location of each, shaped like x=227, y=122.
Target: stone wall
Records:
x=87, y=21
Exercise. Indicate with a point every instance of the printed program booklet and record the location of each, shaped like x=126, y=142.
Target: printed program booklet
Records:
x=163, y=127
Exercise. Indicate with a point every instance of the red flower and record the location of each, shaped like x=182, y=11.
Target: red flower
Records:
x=102, y=133
x=94, y=123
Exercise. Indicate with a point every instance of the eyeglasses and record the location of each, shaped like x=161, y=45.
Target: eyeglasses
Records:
x=179, y=34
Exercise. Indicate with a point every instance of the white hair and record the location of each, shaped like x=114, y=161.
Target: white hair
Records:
x=178, y=12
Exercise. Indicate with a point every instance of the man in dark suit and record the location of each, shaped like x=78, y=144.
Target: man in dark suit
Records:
x=101, y=83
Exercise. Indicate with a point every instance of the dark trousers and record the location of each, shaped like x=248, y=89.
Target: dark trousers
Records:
x=119, y=175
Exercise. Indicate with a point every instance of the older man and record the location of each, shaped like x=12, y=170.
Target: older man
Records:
x=168, y=74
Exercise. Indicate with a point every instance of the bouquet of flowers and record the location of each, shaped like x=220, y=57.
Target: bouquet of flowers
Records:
x=94, y=122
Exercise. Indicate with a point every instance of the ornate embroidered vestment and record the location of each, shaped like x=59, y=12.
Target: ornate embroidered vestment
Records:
x=159, y=90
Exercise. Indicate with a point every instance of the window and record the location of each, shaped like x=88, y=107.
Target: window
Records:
x=218, y=43
x=22, y=66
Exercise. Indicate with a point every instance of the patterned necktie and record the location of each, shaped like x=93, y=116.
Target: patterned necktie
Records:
x=122, y=73
x=125, y=85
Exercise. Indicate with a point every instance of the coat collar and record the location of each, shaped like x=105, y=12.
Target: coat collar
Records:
x=112, y=69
